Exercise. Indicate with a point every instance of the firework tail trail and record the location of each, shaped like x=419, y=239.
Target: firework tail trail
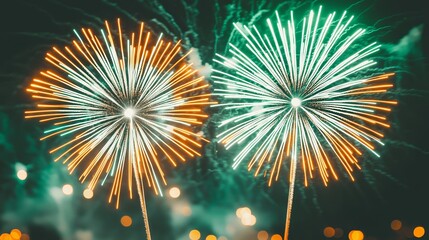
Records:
x=140, y=190
x=290, y=196
x=138, y=177
x=292, y=179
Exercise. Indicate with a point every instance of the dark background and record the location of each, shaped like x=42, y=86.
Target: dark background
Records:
x=391, y=187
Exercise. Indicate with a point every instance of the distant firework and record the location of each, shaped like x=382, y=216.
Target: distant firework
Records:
x=301, y=95
x=128, y=105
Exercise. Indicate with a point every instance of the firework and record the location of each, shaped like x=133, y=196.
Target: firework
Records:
x=304, y=95
x=126, y=106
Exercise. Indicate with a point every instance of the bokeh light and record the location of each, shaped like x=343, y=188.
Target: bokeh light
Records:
x=419, y=232
x=356, y=235
x=276, y=237
x=68, y=189
x=243, y=211
x=194, y=234
x=174, y=192
x=262, y=235
x=88, y=193
x=5, y=236
x=329, y=232
x=396, y=225
x=126, y=221
x=211, y=237
x=22, y=174
x=222, y=238
x=245, y=214
x=15, y=234
x=248, y=220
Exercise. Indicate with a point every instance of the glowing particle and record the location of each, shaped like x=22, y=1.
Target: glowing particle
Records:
x=356, y=235
x=174, y=192
x=67, y=189
x=419, y=232
x=88, y=193
x=194, y=234
x=5, y=236
x=240, y=212
x=248, y=220
x=396, y=225
x=126, y=221
x=329, y=232
x=22, y=174
x=15, y=234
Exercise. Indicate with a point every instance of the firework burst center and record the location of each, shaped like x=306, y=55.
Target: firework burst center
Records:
x=129, y=112
x=295, y=102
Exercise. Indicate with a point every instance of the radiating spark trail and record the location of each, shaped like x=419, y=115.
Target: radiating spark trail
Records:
x=129, y=106
x=300, y=93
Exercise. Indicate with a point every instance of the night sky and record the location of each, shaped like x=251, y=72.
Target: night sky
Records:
x=388, y=188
